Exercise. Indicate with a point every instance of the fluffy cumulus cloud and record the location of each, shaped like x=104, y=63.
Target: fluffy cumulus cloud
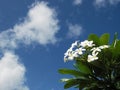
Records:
x=11, y=73
x=77, y=2
x=74, y=31
x=39, y=26
x=103, y=3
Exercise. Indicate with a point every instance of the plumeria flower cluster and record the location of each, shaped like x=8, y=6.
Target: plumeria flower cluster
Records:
x=77, y=49
x=95, y=52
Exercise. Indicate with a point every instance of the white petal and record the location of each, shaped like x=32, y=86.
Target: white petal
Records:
x=74, y=44
x=92, y=58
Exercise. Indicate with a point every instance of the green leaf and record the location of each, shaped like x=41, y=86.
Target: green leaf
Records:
x=115, y=38
x=82, y=67
x=84, y=84
x=78, y=83
x=104, y=39
x=71, y=72
x=94, y=38
x=71, y=83
x=98, y=64
x=92, y=86
x=117, y=47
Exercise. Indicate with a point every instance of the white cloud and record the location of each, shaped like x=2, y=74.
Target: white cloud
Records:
x=100, y=3
x=77, y=2
x=39, y=26
x=104, y=3
x=74, y=31
x=112, y=2
x=11, y=73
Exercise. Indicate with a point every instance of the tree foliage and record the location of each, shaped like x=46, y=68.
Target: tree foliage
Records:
x=100, y=74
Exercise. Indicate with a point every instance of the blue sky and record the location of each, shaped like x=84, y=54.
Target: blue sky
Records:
x=35, y=34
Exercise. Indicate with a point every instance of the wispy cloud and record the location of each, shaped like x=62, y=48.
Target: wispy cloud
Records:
x=104, y=3
x=77, y=2
x=39, y=26
x=74, y=31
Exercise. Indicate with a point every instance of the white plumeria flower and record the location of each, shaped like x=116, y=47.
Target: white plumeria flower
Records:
x=95, y=53
x=70, y=56
x=104, y=46
x=68, y=51
x=71, y=48
x=67, y=54
x=96, y=49
x=74, y=44
x=87, y=43
x=92, y=58
x=65, y=59
x=90, y=44
x=80, y=51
